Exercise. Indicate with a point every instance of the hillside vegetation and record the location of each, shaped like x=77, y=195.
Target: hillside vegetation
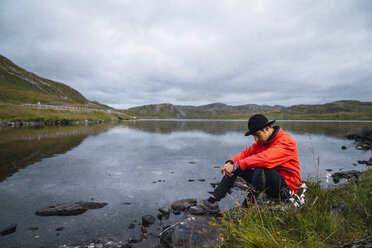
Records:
x=339, y=110
x=19, y=86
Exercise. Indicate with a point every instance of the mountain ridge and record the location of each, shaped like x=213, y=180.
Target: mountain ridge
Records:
x=341, y=109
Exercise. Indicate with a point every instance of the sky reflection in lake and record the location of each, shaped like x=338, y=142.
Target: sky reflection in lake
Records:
x=137, y=167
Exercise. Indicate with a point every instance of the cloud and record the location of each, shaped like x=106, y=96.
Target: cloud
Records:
x=130, y=53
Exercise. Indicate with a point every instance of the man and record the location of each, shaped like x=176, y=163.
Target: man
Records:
x=270, y=166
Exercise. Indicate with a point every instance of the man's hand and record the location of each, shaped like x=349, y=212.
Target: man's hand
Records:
x=227, y=169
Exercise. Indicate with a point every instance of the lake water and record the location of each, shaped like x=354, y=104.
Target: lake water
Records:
x=136, y=167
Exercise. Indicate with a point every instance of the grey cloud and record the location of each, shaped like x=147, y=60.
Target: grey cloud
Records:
x=129, y=53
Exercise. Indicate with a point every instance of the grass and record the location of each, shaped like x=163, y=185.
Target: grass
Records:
x=329, y=218
x=13, y=112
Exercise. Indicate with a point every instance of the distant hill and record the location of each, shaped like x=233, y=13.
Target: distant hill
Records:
x=339, y=110
x=18, y=86
x=213, y=110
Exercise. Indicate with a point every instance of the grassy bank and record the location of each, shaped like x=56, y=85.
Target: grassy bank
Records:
x=14, y=112
x=329, y=218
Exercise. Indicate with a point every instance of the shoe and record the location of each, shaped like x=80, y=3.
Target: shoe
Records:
x=204, y=208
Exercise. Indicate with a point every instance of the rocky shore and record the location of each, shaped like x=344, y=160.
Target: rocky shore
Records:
x=47, y=123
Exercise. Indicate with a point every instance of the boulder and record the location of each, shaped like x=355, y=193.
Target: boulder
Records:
x=70, y=208
x=182, y=205
x=194, y=231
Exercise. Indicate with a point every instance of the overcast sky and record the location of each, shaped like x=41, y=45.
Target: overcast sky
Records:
x=131, y=53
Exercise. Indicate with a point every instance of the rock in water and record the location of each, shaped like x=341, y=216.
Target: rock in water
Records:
x=9, y=229
x=148, y=220
x=194, y=231
x=182, y=205
x=70, y=208
x=353, y=174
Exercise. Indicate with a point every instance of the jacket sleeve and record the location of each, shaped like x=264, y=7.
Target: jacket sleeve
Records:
x=273, y=156
x=246, y=153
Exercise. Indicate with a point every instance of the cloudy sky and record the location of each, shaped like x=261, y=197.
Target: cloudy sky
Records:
x=130, y=53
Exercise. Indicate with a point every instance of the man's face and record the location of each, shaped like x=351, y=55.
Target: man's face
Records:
x=262, y=135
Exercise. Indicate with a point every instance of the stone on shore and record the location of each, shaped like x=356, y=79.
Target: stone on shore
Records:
x=349, y=175
x=194, y=231
x=67, y=209
x=182, y=205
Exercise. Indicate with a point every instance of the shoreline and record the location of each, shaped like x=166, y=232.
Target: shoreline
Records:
x=19, y=124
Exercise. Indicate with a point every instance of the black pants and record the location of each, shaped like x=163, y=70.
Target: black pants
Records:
x=261, y=179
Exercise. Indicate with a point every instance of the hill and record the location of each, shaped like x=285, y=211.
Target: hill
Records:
x=339, y=110
x=19, y=86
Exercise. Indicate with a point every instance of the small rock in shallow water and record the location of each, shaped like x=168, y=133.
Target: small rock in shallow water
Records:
x=131, y=226
x=201, y=180
x=70, y=208
x=160, y=216
x=59, y=228
x=33, y=228
x=369, y=163
x=343, y=147
x=9, y=229
x=148, y=220
x=135, y=240
x=164, y=211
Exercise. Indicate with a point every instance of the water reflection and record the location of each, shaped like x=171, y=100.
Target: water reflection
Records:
x=333, y=129
x=20, y=147
x=148, y=164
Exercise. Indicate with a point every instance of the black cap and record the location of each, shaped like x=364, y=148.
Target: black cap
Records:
x=257, y=122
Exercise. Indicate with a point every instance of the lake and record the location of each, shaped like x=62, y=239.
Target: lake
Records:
x=137, y=167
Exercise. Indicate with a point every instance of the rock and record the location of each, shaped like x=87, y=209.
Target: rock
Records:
x=33, y=228
x=164, y=211
x=343, y=147
x=201, y=180
x=97, y=243
x=70, y=208
x=365, y=162
x=349, y=175
x=194, y=231
x=182, y=205
x=362, y=137
x=338, y=210
x=160, y=216
x=131, y=226
x=135, y=240
x=9, y=229
x=59, y=228
x=191, y=180
x=148, y=220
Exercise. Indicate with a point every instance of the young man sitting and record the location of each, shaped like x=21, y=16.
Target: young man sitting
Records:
x=270, y=166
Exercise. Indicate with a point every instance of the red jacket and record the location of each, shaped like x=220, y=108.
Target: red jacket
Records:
x=279, y=153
